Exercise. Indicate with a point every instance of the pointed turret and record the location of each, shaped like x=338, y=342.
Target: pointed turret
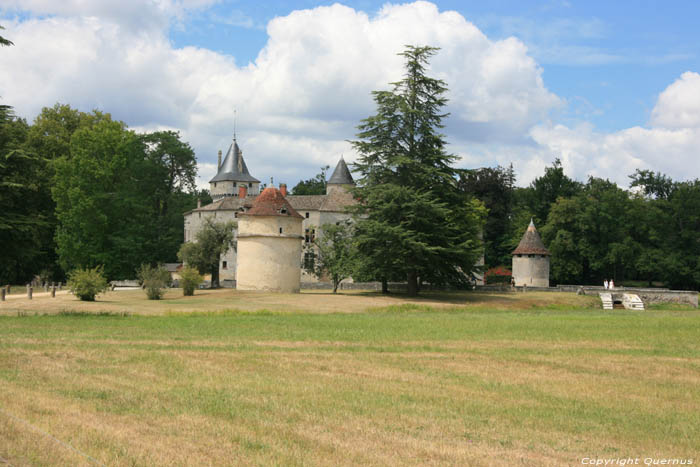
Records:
x=340, y=179
x=531, y=243
x=531, y=260
x=233, y=167
x=232, y=177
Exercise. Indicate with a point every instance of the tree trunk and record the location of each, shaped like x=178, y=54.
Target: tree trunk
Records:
x=412, y=286
x=215, y=277
x=385, y=286
x=335, y=286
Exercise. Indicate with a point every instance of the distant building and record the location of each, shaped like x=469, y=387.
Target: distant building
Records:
x=269, y=245
x=234, y=189
x=531, y=260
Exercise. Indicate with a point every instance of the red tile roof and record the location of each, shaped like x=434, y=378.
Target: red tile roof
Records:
x=271, y=202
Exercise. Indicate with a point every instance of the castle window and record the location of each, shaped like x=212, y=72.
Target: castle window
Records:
x=234, y=184
x=280, y=229
x=224, y=265
x=309, y=260
x=250, y=185
x=283, y=211
x=307, y=236
x=307, y=215
x=214, y=184
x=235, y=214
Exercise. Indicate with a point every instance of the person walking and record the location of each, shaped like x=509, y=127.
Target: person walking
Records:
x=605, y=284
x=612, y=284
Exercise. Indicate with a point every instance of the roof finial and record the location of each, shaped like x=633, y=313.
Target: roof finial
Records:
x=234, y=124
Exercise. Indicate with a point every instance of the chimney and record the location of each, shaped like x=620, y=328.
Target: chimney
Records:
x=283, y=189
x=219, y=164
x=242, y=191
x=199, y=203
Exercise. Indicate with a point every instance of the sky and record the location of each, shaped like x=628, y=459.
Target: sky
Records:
x=606, y=87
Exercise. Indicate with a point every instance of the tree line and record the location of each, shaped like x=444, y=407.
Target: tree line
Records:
x=596, y=230
x=80, y=189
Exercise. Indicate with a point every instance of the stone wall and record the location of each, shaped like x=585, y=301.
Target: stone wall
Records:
x=268, y=259
x=531, y=270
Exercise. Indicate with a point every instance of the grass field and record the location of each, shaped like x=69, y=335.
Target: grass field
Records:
x=234, y=378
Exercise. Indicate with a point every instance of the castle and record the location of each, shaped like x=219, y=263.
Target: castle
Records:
x=233, y=191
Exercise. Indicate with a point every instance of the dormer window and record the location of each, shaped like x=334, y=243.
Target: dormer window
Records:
x=283, y=211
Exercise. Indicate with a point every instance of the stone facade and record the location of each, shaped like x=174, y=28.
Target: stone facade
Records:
x=269, y=245
x=230, y=204
x=531, y=260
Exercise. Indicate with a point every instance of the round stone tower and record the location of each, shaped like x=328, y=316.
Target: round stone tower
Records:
x=269, y=245
x=531, y=260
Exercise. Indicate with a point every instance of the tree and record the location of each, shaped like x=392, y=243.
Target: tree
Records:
x=312, y=186
x=412, y=220
x=656, y=185
x=3, y=41
x=544, y=191
x=24, y=214
x=154, y=279
x=119, y=195
x=334, y=253
x=213, y=240
x=495, y=188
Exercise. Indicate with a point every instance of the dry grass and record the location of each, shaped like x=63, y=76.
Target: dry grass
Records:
x=457, y=384
x=135, y=302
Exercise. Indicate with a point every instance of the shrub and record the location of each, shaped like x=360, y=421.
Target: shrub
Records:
x=154, y=279
x=498, y=275
x=190, y=278
x=87, y=283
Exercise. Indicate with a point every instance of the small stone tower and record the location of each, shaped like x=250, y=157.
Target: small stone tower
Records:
x=269, y=245
x=341, y=180
x=232, y=177
x=531, y=260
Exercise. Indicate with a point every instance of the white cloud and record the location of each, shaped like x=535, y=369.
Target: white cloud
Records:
x=679, y=105
x=302, y=97
x=668, y=145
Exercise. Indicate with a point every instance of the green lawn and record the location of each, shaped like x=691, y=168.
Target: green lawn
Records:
x=406, y=384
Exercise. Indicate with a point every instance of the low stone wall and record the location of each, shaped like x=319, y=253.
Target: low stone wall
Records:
x=649, y=296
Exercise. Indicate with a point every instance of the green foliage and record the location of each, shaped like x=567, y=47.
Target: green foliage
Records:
x=154, y=279
x=334, y=253
x=190, y=279
x=86, y=283
x=120, y=197
x=3, y=41
x=412, y=220
x=495, y=188
x=312, y=186
x=544, y=191
x=213, y=240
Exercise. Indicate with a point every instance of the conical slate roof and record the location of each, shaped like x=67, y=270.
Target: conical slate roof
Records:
x=233, y=168
x=271, y=202
x=341, y=174
x=531, y=243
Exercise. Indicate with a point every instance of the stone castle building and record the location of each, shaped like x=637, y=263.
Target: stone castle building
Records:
x=234, y=189
x=269, y=245
x=531, y=260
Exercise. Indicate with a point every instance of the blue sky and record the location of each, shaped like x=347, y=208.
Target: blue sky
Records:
x=606, y=86
x=609, y=59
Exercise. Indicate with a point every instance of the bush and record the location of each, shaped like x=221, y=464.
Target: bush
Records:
x=87, y=283
x=498, y=275
x=154, y=279
x=190, y=278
